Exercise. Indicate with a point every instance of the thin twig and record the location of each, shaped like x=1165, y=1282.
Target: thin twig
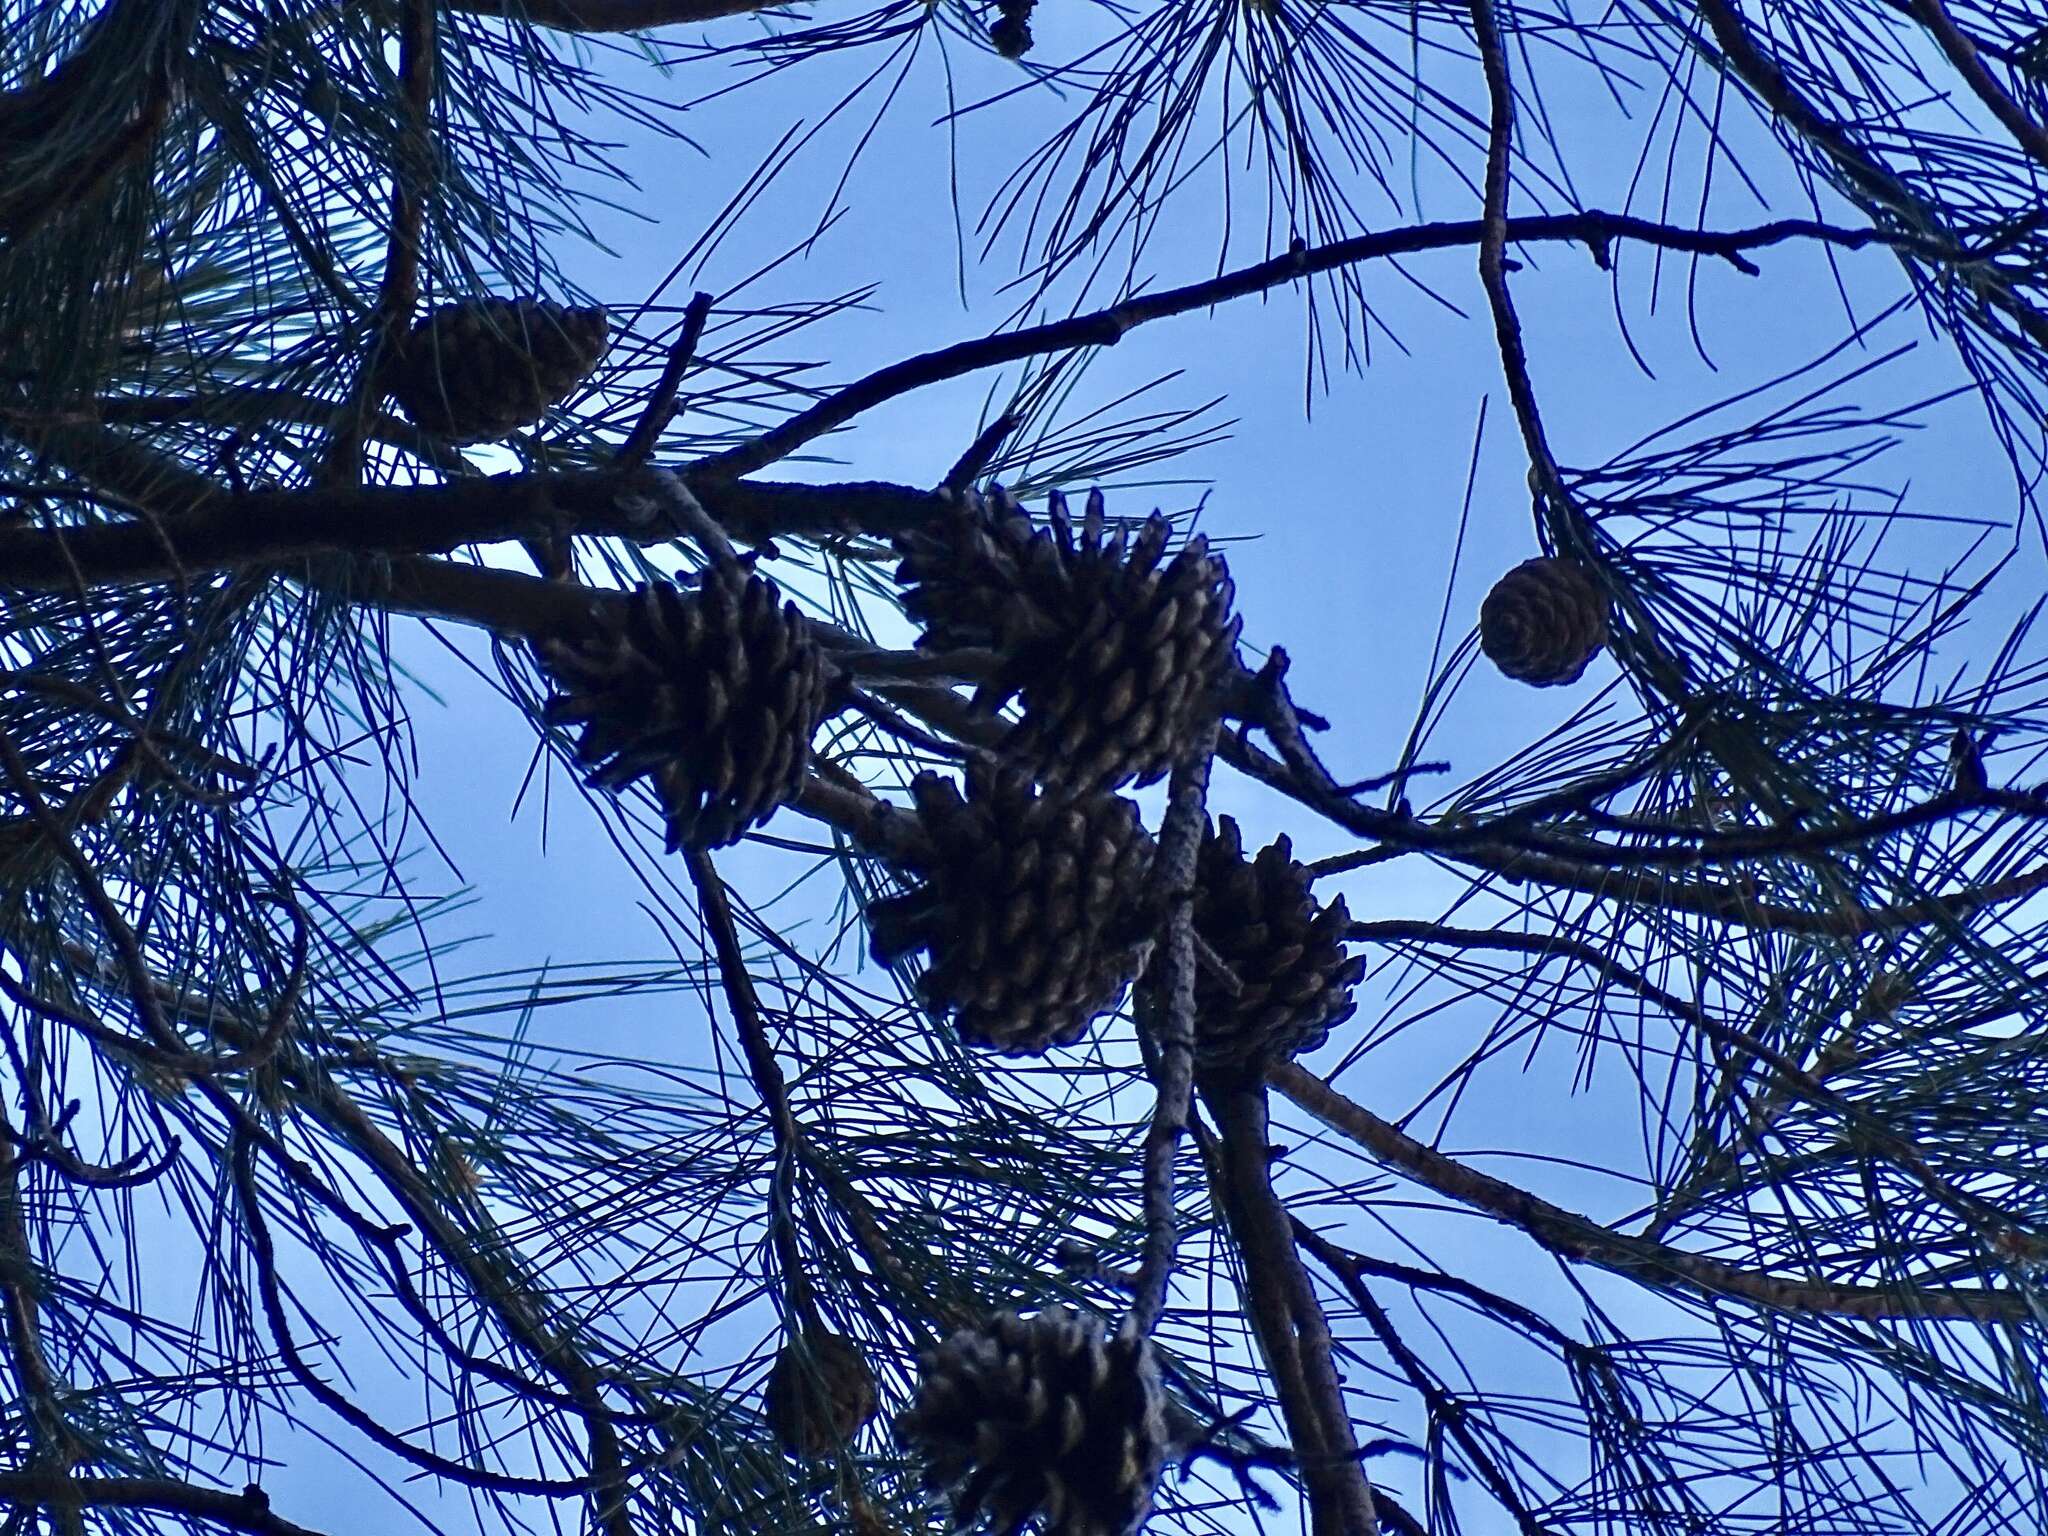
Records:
x=766, y=1072
x=1106, y=327
x=412, y=175
x=661, y=404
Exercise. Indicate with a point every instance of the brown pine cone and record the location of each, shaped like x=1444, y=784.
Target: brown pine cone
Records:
x=1284, y=948
x=1035, y=913
x=820, y=1392
x=1041, y=1419
x=1011, y=30
x=1544, y=621
x=1114, y=649
x=484, y=368
x=712, y=694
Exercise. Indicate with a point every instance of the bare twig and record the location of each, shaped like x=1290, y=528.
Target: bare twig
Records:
x=1106, y=327
x=412, y=178
x=745, y=1005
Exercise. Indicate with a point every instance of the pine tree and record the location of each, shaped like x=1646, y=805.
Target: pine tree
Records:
x=1063, y=1168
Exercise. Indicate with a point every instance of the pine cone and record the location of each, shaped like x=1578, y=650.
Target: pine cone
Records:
x=1011, y=31
x=1035, y=913
x=1543, y=621
x=820, y=1392
x=1115, y=654
x=712, y=693
x=1041, y=1419
x=1284, y=947
x=483, y=368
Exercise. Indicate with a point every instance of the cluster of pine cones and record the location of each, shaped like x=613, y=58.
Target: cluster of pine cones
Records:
x=1038, y=907
x=1035, y=907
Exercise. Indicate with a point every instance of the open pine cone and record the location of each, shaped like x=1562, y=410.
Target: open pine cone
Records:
x=1544, y=621
x=711, y=693
x=484, y=368
x=1284, y=947
x=820, y=1392
x=1035, y=914
x=1114, y=649
x=1044, y=1419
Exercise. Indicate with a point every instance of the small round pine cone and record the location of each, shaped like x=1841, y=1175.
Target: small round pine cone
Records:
x=484, y=368
x=1283, y=947
x=820, y=1393
x=1113, y=648
x=1010, y=32
x=1041, y=1419
x=712, y=694
x=1035, y=912
x=1544, y=621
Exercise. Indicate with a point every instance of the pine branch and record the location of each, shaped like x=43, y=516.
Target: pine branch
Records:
x=1871, y=180
x=1969, y=63
x=1105, y=327
x=1287, y=1317
x=1172, y=1024
x=745, y=1006
x=55, y=1450
x=613, y=15
x=1579, y=1238
x=197, y=527
x=248, y=1511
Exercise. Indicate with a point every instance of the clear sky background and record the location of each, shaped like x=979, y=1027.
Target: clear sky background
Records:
x=1344, y=510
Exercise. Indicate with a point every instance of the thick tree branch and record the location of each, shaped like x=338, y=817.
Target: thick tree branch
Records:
x=1287, y=1317
x=196, y=527
x=613, y=15
x=247, y=1511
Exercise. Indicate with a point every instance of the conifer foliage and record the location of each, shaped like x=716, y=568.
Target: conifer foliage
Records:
x=1103, y=1069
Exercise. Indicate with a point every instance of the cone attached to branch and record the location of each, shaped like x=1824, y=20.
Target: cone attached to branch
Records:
x=1041, y=1419
x=1035, y=912
x=1114, y=648
x=820, y=1393
x=712, y=694
x=1544, y=621
x=484, y=368
x=1285, y=951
